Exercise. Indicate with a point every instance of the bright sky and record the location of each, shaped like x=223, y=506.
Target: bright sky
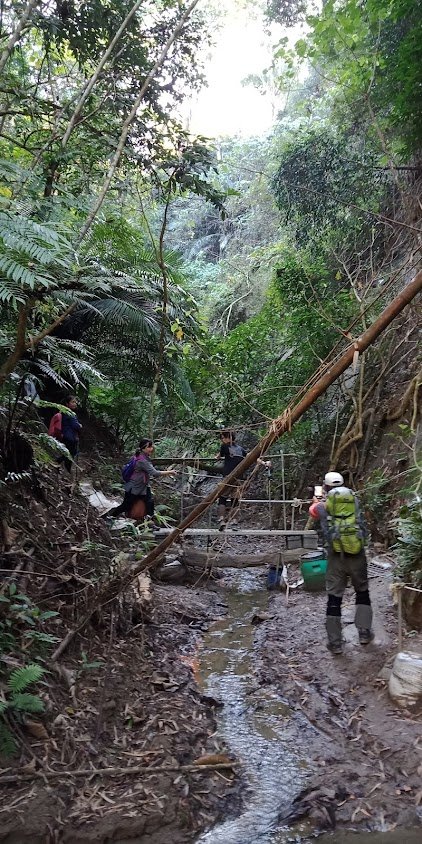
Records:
x=226, y=107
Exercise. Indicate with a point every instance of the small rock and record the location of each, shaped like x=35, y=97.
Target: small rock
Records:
x=259, y=617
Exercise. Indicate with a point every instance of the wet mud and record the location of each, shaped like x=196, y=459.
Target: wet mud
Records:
x=321, y=744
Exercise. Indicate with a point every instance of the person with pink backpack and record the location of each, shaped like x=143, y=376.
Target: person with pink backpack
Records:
x=65, y=427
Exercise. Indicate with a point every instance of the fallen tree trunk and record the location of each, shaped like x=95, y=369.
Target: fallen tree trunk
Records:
x=329, y=373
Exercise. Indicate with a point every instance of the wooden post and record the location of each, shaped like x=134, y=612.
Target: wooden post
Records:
x=182, y=492
x=400, y=618
x=270, y=515
x=283, y=491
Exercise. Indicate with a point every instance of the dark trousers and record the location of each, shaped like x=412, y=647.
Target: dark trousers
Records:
x=340, y=568
x=129, y=500
x=230, y=499
x=73, y=449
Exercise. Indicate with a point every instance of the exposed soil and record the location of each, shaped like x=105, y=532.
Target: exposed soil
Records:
x=142, y=705
x=126, y=695
x=366, y=751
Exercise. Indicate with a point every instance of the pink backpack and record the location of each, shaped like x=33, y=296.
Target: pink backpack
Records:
x=55, y=426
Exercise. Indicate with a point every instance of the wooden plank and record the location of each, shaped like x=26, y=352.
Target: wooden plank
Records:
x=204, y=559
x=215, y=532
x=274, y=501
x=195, y=461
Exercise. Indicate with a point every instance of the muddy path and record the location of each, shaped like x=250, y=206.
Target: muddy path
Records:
x=322, y=745
x=316, y=739
x=256, y=725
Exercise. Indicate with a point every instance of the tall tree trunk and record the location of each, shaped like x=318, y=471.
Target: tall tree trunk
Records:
x=159, y=252
x=94, y=78
x=22, y=344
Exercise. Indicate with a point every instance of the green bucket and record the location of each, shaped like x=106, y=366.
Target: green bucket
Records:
x=313, y=567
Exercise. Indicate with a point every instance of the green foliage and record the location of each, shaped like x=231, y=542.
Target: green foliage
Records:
x=375, y=495
x=320, y=175
x=287, y=12
x=122, y=408
x=89, y=665
x=372, y=54
x=409, y=544
x=21, y=678
x=22, y=624
x=253, y=372
x=18, y=702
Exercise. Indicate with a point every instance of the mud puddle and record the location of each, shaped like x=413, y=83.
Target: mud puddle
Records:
x=254, y=723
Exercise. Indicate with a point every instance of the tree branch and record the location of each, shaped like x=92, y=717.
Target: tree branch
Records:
x=129, y=120
x=22, y=344
x=14, y=38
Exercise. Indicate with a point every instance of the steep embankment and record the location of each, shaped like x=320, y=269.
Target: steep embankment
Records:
x=122, y=698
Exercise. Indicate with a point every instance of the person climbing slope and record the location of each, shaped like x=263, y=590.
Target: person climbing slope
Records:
x=344, y=535
x=232, y=454
x=65, y=427
x=136, y=475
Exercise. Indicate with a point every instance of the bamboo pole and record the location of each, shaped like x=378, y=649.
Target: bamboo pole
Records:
x=400, y=619
x=278, y=427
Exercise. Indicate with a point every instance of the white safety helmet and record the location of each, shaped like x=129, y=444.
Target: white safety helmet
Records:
x=333, y=479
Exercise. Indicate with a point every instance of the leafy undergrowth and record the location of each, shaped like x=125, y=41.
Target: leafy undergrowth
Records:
x=122, y=696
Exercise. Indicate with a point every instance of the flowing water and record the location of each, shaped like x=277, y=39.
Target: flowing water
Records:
x=255, y=728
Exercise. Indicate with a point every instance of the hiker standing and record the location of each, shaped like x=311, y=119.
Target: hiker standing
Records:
x=232, y=454
x=138, y=473
x=344, y=534
x=65, y=427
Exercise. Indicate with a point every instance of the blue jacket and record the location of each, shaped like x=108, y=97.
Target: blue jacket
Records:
x=70, y=428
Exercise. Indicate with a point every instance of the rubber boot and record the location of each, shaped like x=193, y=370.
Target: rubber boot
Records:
x=363, y=621
x=333, y=628
x=221, y=516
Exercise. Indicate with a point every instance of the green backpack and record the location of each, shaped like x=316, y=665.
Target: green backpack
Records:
x=342, y=513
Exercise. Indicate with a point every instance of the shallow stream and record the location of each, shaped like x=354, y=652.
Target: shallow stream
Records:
x=253, y=723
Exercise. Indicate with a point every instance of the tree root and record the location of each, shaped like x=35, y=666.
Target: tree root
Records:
x=410, y=396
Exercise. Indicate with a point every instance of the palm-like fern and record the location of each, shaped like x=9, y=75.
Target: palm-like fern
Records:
x=18, y=701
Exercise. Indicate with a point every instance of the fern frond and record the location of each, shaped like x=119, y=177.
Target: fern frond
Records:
x=23, y=677
x=52, y=443
x=25, y=702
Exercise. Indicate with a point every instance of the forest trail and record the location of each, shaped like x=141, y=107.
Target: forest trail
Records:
x=190, y=676
x=298, y=719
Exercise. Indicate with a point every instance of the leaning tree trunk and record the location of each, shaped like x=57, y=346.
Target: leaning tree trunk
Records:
x=330, y=372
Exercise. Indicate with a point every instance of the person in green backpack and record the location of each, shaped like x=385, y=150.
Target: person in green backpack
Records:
x=344, y=534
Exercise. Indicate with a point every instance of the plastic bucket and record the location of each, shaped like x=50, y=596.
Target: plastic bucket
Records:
x=313, y=567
